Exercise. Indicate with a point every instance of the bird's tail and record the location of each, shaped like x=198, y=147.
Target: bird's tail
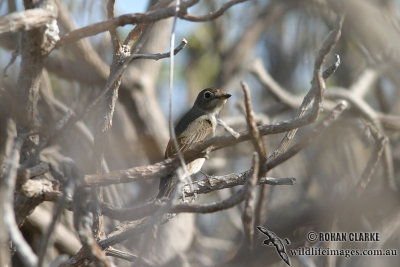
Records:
x=167, y=185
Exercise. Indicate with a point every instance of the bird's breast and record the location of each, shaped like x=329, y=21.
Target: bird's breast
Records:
x=205, y=124
x=195, y=166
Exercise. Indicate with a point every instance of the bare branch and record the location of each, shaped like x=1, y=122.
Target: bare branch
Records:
x=227, y=128
x=252, y=125
x=134, y=34
x=380, y=144
x=228, y=203
x=200, y=187
x=159, y=56
x=213, y=183
x=124, y=232
x=250, y=202
x=354, y=95
x=212, y=15
x=113, y=31
x=120, y=254
x=332, y=68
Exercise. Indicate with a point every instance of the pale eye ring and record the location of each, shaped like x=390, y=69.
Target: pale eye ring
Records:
x=207, y=95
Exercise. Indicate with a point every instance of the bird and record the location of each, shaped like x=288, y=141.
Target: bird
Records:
x=195, y=126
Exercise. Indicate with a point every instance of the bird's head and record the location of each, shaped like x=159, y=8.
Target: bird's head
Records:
x=211, y=100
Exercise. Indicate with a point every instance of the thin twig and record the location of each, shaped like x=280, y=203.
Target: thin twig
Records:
x=228, y=203
x=113, y=31
x=213, y=183
x=332, y=68
x=134, y=34
x=252, y=125
x=120, y=254
x=227, y=128
x=380, y=142
x=248, y=216
x=212, y=15
x=250, y=202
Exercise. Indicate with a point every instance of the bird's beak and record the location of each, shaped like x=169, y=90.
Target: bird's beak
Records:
x=224, y=96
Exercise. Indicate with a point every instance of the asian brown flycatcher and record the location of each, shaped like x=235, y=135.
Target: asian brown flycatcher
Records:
x=197, y=125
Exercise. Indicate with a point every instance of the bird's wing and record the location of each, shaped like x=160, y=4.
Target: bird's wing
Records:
x=196, y=132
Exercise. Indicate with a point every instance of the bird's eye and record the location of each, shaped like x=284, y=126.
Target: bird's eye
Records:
x=207, y=95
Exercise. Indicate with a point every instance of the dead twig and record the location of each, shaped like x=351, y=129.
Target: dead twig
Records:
x=250, y=202
x=252, y=125
x=248, y=216
x=380, y=144
x=212, y=15
x=113, y=31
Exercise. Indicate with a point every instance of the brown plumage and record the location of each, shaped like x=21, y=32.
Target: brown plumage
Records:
x=203, y=129
x=196, y=126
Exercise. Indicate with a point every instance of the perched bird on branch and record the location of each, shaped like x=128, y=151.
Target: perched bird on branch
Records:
x=196, y=126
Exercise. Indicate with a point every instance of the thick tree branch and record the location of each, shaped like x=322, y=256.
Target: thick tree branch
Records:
x=26, y=20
